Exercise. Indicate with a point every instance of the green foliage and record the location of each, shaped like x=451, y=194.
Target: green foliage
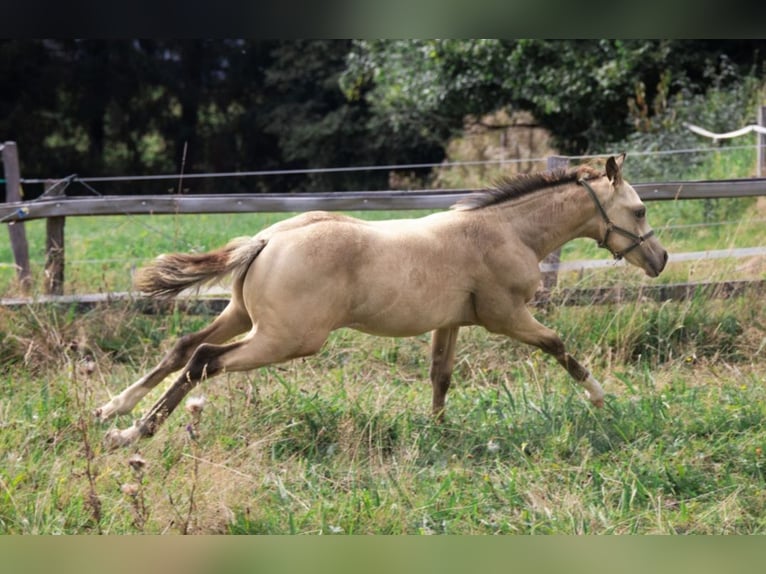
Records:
x=129, y=107
x=656, y=333
x=659, y=125
x=578, y=89
x=316, y=126
x=333, y=444
x=117, y=107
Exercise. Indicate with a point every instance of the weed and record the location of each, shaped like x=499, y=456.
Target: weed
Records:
x=135, y=491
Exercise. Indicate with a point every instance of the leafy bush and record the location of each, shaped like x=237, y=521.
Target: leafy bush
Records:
x=659, y=125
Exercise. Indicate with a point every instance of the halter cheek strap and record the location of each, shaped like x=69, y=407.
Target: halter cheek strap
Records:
x=610, y=226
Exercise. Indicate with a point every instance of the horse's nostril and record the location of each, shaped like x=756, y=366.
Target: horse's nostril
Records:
x=664, y=260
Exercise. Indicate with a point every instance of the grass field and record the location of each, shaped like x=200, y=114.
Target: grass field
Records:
x=342, y=443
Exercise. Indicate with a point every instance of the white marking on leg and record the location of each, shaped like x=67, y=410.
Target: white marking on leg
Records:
x=116, y=438
x=125, y=401
x=595, y=392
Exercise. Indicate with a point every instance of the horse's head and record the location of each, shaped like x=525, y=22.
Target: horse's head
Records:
x=624, y=228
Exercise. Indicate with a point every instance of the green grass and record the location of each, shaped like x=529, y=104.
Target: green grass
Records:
x=343, y=442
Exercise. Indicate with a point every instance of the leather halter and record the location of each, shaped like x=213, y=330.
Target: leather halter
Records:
x=610, y=226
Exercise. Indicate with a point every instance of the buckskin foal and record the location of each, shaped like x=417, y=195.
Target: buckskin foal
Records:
x=476, y=264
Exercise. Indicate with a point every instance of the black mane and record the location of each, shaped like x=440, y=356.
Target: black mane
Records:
x=510, y=188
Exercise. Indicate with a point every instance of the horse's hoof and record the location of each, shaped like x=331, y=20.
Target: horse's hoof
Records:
x=107, y=411
x=104, y=412
x=598, y=403
x=116, y=438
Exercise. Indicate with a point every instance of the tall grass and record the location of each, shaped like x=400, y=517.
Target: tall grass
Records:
x=343, y=443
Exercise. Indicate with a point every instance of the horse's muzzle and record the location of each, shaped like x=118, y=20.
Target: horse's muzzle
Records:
x=655, y=265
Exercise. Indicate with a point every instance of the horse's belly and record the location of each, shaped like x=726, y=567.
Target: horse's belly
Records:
x=395, y=329
x=410, y=316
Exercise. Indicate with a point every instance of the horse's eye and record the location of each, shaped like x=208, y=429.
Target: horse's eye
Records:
x=640, y=213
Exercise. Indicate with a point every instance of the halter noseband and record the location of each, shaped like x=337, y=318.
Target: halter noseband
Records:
x=610, y=226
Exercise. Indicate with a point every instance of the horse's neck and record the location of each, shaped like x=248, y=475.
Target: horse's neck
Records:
x=547, y=220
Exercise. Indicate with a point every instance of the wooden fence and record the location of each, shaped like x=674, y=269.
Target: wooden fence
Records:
x=215, y=302
x=55, y=208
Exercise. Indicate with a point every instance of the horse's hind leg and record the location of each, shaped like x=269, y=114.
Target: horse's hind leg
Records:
x=442, y=362
x=210, y=360
x=232, y=321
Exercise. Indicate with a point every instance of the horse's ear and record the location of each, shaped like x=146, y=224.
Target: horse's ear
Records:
x=614, y=169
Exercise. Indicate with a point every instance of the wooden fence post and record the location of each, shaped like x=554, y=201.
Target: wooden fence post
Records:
x=54, y=246
x=16, y=229
x=550, y=278
x=761, y=142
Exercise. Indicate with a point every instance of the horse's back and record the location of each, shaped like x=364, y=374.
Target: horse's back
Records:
x=304, y=220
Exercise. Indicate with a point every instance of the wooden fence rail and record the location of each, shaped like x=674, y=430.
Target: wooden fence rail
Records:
x=55, y=208
x=201, y=304
x=329, y=201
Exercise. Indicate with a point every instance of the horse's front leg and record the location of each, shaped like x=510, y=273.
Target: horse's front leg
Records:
x=442, y=362
x=524, y=327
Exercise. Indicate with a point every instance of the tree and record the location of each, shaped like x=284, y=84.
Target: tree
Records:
x=578, y=89
x=137, y=107
x=125, y=107
x=316, y=126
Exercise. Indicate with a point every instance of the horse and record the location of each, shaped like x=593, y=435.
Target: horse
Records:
x=477, y=263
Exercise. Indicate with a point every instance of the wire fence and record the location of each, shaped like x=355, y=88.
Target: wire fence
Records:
x=369, y=168
x=91, y=187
